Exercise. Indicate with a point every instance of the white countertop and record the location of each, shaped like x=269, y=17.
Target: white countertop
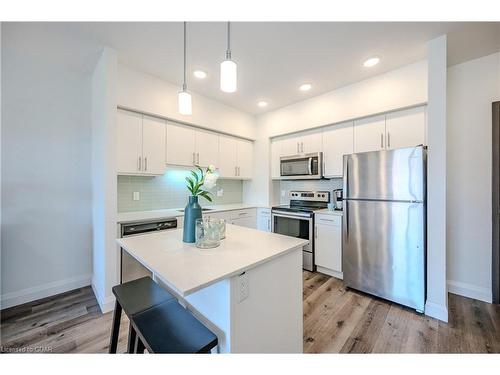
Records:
x=186, y=269
x=126, y=217
x=328, y=212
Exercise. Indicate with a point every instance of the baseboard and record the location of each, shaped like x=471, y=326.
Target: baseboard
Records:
x=42, y=291
x=470, y=290
x=105, y=304
x=437, y=311
x=329, y=272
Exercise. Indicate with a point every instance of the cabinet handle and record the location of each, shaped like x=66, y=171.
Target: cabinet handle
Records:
x=146, y=163
x=298, y=150
x=269, y=225
x=302, y=146
x=236, y=171
x=381, y=140
x=140, y=164
x=198, y=158
x=315, y=232
x=388, y=140
x=194, y=158
x=239, y=171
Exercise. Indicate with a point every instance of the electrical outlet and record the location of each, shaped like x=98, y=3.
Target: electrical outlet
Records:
x=243, y=287
x=220, y=192
x=137, y=196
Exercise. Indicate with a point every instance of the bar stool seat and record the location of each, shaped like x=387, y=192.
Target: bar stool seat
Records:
x=135, y=297
x=170, y=328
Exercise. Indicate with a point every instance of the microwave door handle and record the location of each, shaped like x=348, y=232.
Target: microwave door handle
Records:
x=310, y=166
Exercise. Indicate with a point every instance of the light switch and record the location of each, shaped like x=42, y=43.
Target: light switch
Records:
x=137, y=196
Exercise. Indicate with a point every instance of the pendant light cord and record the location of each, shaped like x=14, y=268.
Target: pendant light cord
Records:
x=228, y=50
x=184, y=85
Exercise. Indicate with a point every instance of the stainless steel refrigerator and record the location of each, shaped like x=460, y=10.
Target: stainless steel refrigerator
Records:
x=383, y=234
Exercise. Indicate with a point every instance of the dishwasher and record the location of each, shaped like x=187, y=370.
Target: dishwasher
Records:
x=131, y=269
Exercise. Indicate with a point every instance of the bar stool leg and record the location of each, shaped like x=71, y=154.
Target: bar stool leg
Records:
x=132, y=337
x=139, y=346
x=115, y=329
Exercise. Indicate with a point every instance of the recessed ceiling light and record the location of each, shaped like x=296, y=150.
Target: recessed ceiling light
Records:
x=372, y=61
x=200, y=74
x=262, y=103
x=305, y=87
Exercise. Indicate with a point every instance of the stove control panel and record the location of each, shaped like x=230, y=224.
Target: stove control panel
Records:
x=317, y=196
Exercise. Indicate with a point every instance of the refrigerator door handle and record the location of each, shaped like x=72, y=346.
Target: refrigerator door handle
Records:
x=346, y=219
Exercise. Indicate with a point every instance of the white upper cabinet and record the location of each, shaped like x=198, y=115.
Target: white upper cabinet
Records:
x=140, y=144
x=207, y=148
x=181, y=145
x=235, y=158
x=244, y=158
x=337, y=142
x=275, y=158
x=129, y=142
x=311, y=141
x=290, y=145
x=153, y=145
x=369, y=134
x=228, y=154
x=302, y=143
x=406, y=128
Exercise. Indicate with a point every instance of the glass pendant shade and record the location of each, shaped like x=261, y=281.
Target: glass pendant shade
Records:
x=185, y=104
x=228, y=76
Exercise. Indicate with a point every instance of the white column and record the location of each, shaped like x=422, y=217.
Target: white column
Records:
x=104, y=189
x=437, y=294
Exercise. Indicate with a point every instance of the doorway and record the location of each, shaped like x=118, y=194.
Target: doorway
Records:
x=495, y=272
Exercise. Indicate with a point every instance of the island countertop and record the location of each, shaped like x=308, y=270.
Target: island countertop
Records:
x=187, y=269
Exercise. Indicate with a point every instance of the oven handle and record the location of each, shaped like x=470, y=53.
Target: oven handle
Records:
x=292, y=216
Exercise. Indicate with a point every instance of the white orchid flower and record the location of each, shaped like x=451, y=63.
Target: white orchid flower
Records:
x=211, y=168
x=210, y=181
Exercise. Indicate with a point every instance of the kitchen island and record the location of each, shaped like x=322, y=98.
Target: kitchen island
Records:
x=248, y=290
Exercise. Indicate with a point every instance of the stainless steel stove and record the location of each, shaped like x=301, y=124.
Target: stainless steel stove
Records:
x=297, y=219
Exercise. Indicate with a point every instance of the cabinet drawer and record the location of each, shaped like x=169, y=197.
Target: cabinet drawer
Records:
x=242, y=213
x=333, y=220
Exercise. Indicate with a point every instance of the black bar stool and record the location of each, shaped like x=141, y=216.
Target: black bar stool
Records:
x=170, y=328
x=135, y=297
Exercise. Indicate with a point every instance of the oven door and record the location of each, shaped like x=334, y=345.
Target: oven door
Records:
x=306, y=166
x=299, y=226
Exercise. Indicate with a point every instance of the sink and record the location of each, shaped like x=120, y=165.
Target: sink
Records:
x=203, y=209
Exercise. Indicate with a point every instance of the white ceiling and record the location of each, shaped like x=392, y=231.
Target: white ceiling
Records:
x=275, y=58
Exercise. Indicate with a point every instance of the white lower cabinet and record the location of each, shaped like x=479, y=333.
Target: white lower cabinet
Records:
x=328, y=244
x=264, y=219
x=245, y=218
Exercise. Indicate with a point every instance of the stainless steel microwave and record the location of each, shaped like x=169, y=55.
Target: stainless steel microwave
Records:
x=302, y=166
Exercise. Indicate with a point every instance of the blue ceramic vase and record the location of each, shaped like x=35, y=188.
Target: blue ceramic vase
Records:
x=191, y=213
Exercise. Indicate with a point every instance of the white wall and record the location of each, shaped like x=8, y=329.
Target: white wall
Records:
x=399, y=88
x=436, y=304
x=46, y=193
x=472, y=87
x=104, y=182
x=149, y=94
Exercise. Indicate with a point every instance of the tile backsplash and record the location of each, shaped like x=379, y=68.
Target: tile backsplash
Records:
x=310, y=185
x=169, y=191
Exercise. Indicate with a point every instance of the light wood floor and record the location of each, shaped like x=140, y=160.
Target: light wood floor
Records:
x=336, y=320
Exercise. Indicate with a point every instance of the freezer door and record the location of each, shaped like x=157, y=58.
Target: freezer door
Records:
x=386, y=175
x=384, y=250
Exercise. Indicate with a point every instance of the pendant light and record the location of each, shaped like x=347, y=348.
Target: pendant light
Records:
x=184, y=97
x=228, y=68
